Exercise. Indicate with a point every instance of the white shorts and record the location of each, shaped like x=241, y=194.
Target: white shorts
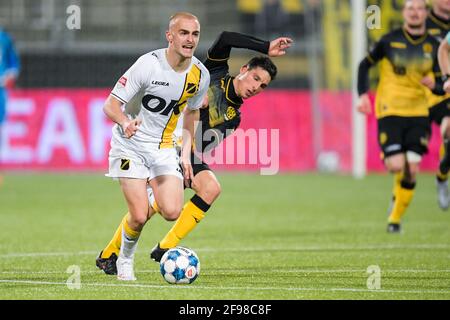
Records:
x=126, y=163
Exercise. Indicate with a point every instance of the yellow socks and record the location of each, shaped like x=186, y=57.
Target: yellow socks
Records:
x=192, y=213
x=114, y=245
x=398, y=177
x=440, y=175
x=130, y=239
x=444, y=156
x=116, y=242
x=403, y=197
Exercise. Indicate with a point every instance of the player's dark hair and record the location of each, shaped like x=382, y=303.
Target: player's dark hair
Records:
x=264, y=63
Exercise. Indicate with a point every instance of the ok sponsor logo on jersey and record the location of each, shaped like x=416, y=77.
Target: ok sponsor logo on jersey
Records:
x=161, y=107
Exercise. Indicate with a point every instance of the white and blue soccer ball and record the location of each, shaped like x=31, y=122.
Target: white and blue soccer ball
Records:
x=180, y=265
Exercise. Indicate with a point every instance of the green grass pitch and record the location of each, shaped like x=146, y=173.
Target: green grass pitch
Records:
x=267, y=237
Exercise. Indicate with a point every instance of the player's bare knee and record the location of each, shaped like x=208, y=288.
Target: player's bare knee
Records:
x=395, y=167
x=171, y=216
x=137, y=222
x=446, y=128
x=413, y=170
x=395, y=163
x=171, y=213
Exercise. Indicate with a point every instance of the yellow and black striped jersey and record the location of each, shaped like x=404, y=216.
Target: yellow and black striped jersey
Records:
x=223, y=114
x=404, y=61
x=437, y=26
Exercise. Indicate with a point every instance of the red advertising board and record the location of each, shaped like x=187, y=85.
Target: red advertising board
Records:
x=56, y=129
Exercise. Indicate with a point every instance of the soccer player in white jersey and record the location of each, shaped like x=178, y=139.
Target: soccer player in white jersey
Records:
x=146, y=104
x=444, y=61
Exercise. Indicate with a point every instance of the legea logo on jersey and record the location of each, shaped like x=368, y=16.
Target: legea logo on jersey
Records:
x=160, y=83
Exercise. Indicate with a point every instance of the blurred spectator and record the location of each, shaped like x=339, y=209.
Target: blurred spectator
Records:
x=313, y=12
x=249, y=11
x=269, y=18
x=9, y=69
x=272, y=20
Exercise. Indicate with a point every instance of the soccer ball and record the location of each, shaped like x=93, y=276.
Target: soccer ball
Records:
x=180, y=266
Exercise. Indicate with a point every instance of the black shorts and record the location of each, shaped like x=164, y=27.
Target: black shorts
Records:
x=440, y=111
x=401, y=134
x=198, y=165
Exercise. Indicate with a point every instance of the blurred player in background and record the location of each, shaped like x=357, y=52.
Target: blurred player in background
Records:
x=443, y=56
x=219, y=117
x=9, y=70
x=438, y=24
x=408, y=66
x=153, y=93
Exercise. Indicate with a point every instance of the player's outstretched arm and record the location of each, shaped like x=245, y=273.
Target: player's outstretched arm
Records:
x=279, y=46
x=113, y=110
x=227, y=40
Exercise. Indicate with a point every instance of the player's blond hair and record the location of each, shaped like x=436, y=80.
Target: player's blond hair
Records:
x=182, y=14
x=426, y=2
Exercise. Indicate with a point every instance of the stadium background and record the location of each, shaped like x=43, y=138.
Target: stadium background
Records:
x=55, y=120
x=295, y=235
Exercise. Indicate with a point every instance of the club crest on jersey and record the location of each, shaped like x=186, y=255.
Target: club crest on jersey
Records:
x=231, y=113
x=427, y=48
x=123, y=81
x=191, y=88
x=124, y=164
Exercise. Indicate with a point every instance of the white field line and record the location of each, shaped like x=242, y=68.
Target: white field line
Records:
x=223, y=271
x=305, y=248
x=192, y=287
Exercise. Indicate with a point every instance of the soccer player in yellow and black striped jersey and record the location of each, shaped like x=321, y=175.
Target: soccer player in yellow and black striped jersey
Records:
x=408, y=66
x=219, y=117
x=438, y=24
